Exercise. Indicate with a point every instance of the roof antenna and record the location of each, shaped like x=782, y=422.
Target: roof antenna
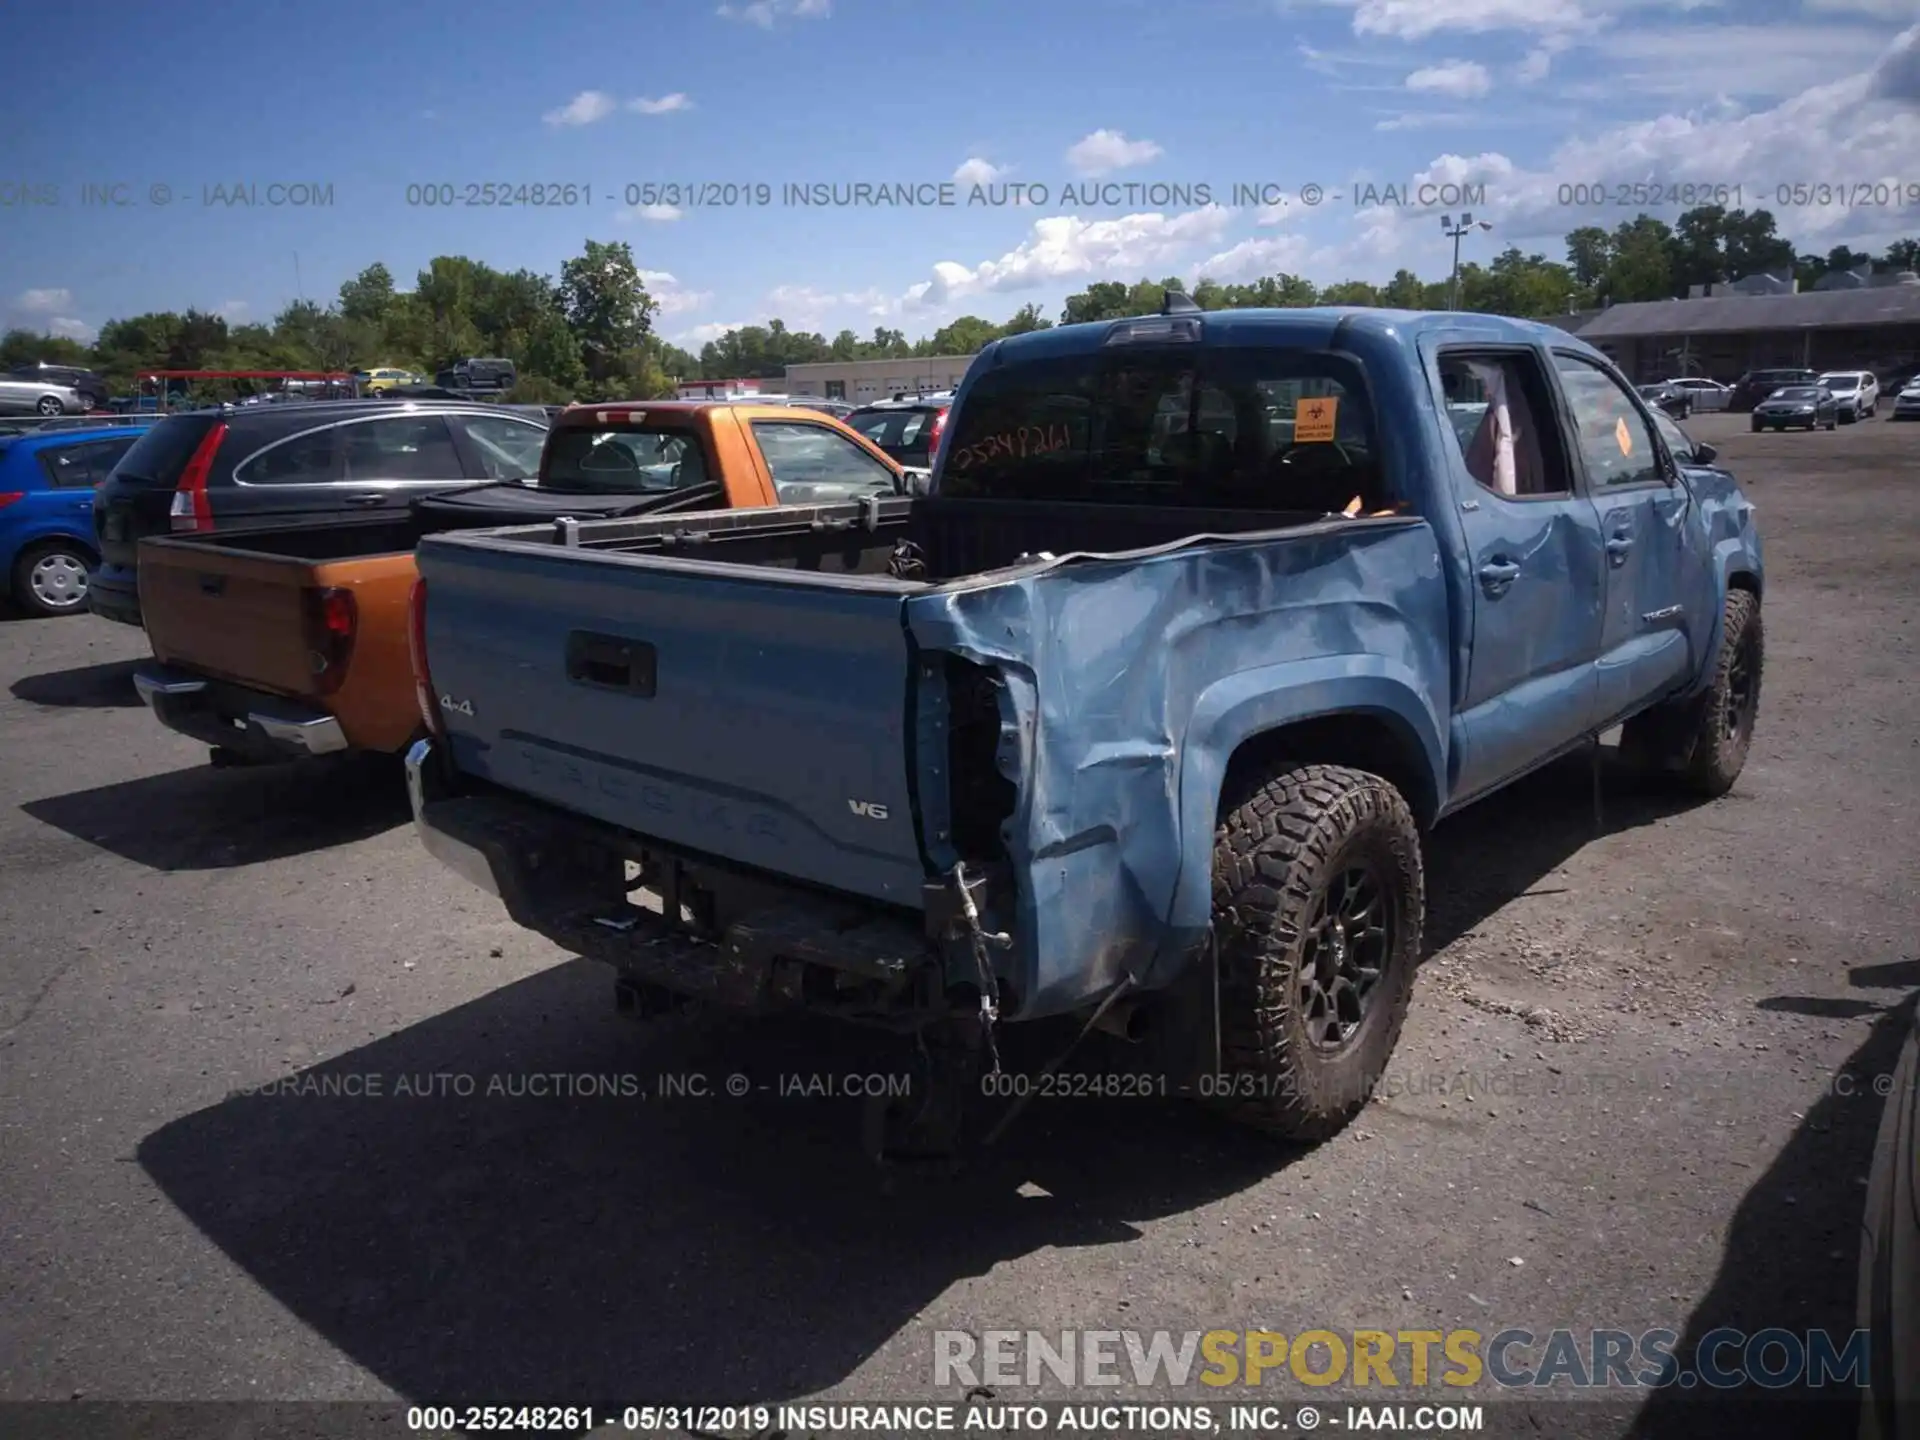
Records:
x=1179, y=304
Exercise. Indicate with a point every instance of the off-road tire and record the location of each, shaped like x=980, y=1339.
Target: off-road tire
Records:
x=1703, y=743
x=1279, y=846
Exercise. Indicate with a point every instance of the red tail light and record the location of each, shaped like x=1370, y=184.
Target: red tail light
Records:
x=191, y=511
x=332, y=618
x=417, y=648
x=7, y=497
x=939, y=427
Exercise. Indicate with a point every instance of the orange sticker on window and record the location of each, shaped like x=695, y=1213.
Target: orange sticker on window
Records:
x=1313, y=419
x=1622, y=436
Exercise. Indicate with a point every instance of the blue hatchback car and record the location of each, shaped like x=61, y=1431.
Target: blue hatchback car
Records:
x=46, y=512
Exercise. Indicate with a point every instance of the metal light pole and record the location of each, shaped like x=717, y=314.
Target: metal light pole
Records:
x=1454, y=232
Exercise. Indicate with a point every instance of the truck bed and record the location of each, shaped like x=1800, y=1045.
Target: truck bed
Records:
x=853, y=698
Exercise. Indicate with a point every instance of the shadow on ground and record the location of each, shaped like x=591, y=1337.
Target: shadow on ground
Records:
x=90, y=687
x=600, y=1245
x=207, y=819
x=1793, y=1246
x=1501, y=848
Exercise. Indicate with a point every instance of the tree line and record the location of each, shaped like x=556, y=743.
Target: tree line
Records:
x=588, y=333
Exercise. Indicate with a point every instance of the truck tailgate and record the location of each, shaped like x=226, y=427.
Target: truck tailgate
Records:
x=230, y=613
x=751, y=715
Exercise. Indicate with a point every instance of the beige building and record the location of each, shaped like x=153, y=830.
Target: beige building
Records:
x=864, y=380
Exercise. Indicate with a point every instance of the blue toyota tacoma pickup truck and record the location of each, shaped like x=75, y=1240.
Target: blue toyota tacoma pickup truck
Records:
x=1142, y=713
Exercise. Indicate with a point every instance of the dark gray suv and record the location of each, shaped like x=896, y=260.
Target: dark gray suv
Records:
x=294, y=464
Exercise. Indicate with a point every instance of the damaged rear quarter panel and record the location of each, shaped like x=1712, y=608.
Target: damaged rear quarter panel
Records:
x=1129, y=683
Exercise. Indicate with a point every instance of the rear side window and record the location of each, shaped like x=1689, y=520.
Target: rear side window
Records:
x=622, y=460
x=508, y=449
x=158, y=457
x=305, y=459
x=1221, y=428
x=76, y=467
x=405, y=447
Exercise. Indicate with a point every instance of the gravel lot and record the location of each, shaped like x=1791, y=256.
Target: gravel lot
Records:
x=1615, y=1104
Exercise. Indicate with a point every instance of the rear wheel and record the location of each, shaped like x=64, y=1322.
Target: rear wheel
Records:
x=49, y=405
x=51, y=578
x=1318, y=904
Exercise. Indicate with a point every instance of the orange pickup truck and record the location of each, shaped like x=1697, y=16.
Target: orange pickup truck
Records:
x=270, y=644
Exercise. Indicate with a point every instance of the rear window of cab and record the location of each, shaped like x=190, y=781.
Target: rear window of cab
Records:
x=1212, y=427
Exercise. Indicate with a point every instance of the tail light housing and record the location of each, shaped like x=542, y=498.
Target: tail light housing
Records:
x=939, y=428
x=7, y=497
x=332, y=618
x=191, y=510
x=417, y=650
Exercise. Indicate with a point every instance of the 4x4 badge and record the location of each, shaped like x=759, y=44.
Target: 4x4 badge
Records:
x=458, y=707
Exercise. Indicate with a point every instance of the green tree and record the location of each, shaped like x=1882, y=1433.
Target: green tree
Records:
x=1904, y=255
x=611, y=315
x=1351, y=292
x=1025, y=320
x=1590, y=255
x=966, y=336
x=1642, y=264
x=368, y=297
x=1406, y=291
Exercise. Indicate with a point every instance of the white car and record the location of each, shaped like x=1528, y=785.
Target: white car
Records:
x=1857, y=391
x=1706, y=394
x=1906, y=405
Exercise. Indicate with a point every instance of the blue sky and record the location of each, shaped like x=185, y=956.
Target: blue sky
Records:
x=1521, y=97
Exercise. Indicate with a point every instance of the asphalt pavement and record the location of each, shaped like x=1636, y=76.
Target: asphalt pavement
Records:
x=288, y=1112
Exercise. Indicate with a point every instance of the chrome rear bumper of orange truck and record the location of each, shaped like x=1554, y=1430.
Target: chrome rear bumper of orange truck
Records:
x=261, y=726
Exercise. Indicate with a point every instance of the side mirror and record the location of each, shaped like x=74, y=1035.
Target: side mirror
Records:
x=1704, y=454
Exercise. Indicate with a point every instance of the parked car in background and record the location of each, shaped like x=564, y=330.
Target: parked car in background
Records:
x=386, y=377
x=1706, y=394
x=839, y=409
x=84, y=382
x=1906, y=404
x=1676, y=400
x=47, y=482
x=293, y=464
x=1795, y=407
x=908, y=430
x=237, y=618
x=1756, y=385
x=1856, y=392
x=35, y=395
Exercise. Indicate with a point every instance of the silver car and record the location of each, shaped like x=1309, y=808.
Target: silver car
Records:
x=37, y=397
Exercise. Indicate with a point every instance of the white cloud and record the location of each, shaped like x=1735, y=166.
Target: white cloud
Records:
x=584, y=109
x=665, y=105
x=701, y=334
x=1537, y=65
x=1062, y=247
x=234, y=311
x=1107, y=150
x=975, y=171
x=1418, y=19
x=1424, y=120
x=69, y=328
x=669, y=295
x=1274, y=214
x=657, y=214
x=1461, y=79
x=1878, y=9
x=1251, y=259
x=42, y=302
x=1864, y=128
x=765, y=13
x=1754, y=62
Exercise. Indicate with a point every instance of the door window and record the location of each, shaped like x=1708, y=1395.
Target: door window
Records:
x=405, y=447
x=508, y=449
x=813, y=465
x=1493, y=406
x=1616, y=441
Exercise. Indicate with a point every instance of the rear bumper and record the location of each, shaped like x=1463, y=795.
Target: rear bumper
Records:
x=113, y=592
x=260, y=726
x=766, y=945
